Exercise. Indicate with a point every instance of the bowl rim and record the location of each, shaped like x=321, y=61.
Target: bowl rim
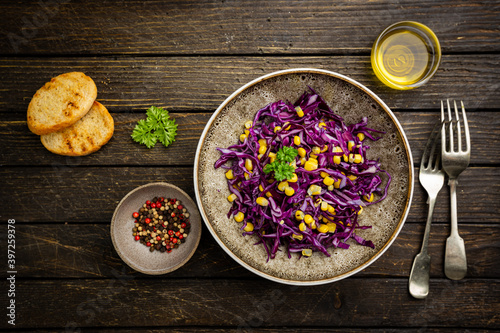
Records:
x=376, y=99
x=130, y=263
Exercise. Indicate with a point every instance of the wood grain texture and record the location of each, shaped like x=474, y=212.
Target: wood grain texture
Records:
x=54, y=251
x=67, y=193
x=237, y=27
x=356, y=302
x=187, y=84
x=21, y=147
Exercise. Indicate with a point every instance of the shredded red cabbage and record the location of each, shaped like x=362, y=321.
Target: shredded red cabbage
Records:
x=335, y=151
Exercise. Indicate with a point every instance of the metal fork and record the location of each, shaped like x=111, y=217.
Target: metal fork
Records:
x=455, y=160
x=431, y=177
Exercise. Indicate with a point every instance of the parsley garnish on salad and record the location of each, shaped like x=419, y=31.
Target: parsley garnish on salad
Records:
x=281, y=166
x=158, y=126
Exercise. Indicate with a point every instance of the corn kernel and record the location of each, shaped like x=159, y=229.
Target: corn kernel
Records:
x=324, y=206
x=272, y=157
x=307, y=252
x=239, y=217
x=337, y=149
x=261, y=201
x=323, y=228
x=325, y=220
x=316, y=150
x=368, y=198
x=248, y=124
x=350, y=144
x=303, y=160
x=297, y=236
x=247, y=132
x=351, y=158
x=323, y=174
x=263, y=142
x=308, y=219
x=296, y=140
x=336, y=159
x=331, y=227
x=331, y=209
x=231, y=197
x=330, y=188
x=358, y=158
x=302, y=152
x=322, y=125
x=261, y=188
x=360, y=210
x=336, y=184
x=361, y=136
x=300, y=113
x=248, y=164
x=247, y=175
x=313, y=225
x=248, y=227
x=311, y=164
x=314, y=190
x=287, y=126
x=346, y=158
x=269, y=194
x=325, y=148
x=302, y=226
x=299, y=215
x=294, y=179
x=229, y=174
x=262, y=150
x=289, y=191
x=282, y=185
x=352, y=177
x=328, y=181
x=277, y=128
x=243, y=137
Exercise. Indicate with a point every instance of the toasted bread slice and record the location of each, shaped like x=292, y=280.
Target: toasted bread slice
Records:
x=85, y=136
x=61, y=102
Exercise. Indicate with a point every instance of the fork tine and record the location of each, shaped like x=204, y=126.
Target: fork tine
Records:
x=450, y=126
x=459, y=131
x=443, y=130
x=430, y=149
x=466, y=128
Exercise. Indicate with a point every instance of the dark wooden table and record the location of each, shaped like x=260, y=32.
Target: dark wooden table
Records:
x=189, y=56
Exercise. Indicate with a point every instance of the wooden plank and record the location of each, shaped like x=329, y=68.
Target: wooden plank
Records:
x=236, y=27
x=85, y=251
x=189, y=84
x=122, y=150
x=67, y=193
x=252, y=304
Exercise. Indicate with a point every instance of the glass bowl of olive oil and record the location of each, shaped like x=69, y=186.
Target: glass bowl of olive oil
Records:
x=406, y=55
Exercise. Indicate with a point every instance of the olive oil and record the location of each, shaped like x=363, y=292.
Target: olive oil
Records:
x=403, y=57
x=406, y=55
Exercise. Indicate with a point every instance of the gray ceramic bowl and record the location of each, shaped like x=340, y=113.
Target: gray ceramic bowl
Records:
x=352, y=101
x=135, y=254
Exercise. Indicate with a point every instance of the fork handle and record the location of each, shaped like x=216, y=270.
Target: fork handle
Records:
x=455, y=260
x=427, y=231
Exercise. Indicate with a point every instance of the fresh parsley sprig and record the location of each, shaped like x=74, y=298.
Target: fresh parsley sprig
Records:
x=281, y=166
x=156, y=127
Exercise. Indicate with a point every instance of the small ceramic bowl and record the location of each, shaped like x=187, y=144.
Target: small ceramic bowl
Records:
x=135, y=254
